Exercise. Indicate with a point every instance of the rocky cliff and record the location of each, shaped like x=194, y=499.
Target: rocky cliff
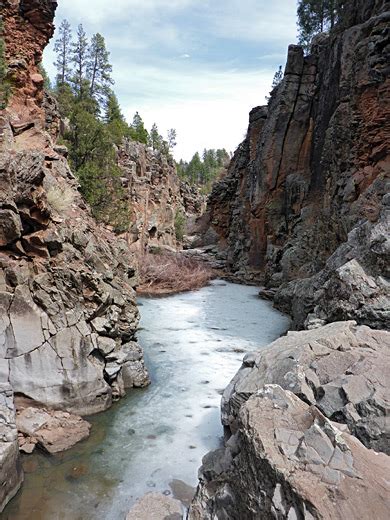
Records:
x=305, y=209
x=68, y=311
x=315, y=163
x=156, y=196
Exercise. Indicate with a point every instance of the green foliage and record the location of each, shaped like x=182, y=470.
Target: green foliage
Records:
x=155, y=139
x=79, y=59
x=138, y=131
x=316, y=16
x=62, y=48
x=5, y=85
x=204, y=171
x=95, y=125
x=278, y=76
x=99, y=69
x=180, y=224
x=46, y=79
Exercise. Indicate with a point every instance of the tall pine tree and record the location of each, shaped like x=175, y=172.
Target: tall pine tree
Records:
x=79, y=58
x=99, y=69
x=63, y=49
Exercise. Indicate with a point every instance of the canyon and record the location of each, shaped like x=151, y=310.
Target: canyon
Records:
x=303, y=210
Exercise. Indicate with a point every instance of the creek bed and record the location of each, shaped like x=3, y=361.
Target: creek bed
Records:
x=155, y=438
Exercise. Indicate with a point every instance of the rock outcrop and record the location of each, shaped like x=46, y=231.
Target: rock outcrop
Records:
x=314, y=164
x=287, y=461
x=68, y=306
x=341, y=368
x=156, y=196
x=300, y=417
x=11, y=473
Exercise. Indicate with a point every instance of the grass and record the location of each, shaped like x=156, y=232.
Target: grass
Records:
x=170, y=273
x=60, y=199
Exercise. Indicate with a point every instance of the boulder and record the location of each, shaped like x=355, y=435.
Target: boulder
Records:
x=287, y=460
x=52, y=430
x=155, y=506
x=341, y=368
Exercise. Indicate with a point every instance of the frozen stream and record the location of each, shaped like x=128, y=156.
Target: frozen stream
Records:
x=154, y=439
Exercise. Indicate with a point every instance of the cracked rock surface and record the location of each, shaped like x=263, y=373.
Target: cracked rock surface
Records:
x=341, y=368
x=288, y=461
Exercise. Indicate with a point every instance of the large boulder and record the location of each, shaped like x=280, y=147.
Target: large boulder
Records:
x=54, y=431
x=341, y=368
x=287, y=460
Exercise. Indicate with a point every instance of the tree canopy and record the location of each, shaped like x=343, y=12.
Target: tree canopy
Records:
x=203, y=171
x=316, y=16
x=96, y=124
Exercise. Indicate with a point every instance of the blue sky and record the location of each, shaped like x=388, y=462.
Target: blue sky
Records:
x=195, y=65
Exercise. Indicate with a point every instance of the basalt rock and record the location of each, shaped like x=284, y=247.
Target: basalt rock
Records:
x=155, y=195
x=302, y=419
x=340, y=368
x=315, y=162
x=67, y=298
x=11, y=473
x=53, y=431
x=288, y=461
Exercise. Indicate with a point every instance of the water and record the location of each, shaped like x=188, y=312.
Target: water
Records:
x=154, y=439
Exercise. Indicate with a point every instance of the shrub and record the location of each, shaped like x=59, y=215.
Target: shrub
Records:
x=169, y=273
x=60, y=199
x=180, y=224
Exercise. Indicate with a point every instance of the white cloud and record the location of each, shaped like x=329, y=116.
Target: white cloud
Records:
x=185, y=63
x=208, y=111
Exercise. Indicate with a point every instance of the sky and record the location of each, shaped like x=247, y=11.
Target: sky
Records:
x=198, y=66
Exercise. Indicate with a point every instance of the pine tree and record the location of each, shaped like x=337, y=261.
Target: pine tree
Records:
x=113, y=110
x=172, y=136
x=63, y=49
x=99, y=68
x=316, y=16
x=155, y=139
x=278, y=76
x=79, y=58
x=138, y=131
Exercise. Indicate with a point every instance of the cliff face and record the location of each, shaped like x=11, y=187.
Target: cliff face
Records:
x=315, y=162
x=155, y=195
x=305, y=208
x=68, y=311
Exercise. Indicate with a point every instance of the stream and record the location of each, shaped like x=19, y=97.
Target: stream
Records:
x=154, y=439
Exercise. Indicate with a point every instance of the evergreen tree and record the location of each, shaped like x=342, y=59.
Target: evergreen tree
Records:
x=155, y=139
x=113, y=110
x=114, y=119
x=316, y=16
x=172, y=136
x=63, y=49
x=278, y=76
x=138, y=131
x=79, y=58
x=99, y=68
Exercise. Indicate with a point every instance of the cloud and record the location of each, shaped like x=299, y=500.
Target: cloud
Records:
x=232, y=49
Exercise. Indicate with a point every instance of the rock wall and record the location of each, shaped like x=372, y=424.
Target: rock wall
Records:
x=285, y=457
x=315, y=162
x=305, y=208
x=156, y=196
x=68, y=306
